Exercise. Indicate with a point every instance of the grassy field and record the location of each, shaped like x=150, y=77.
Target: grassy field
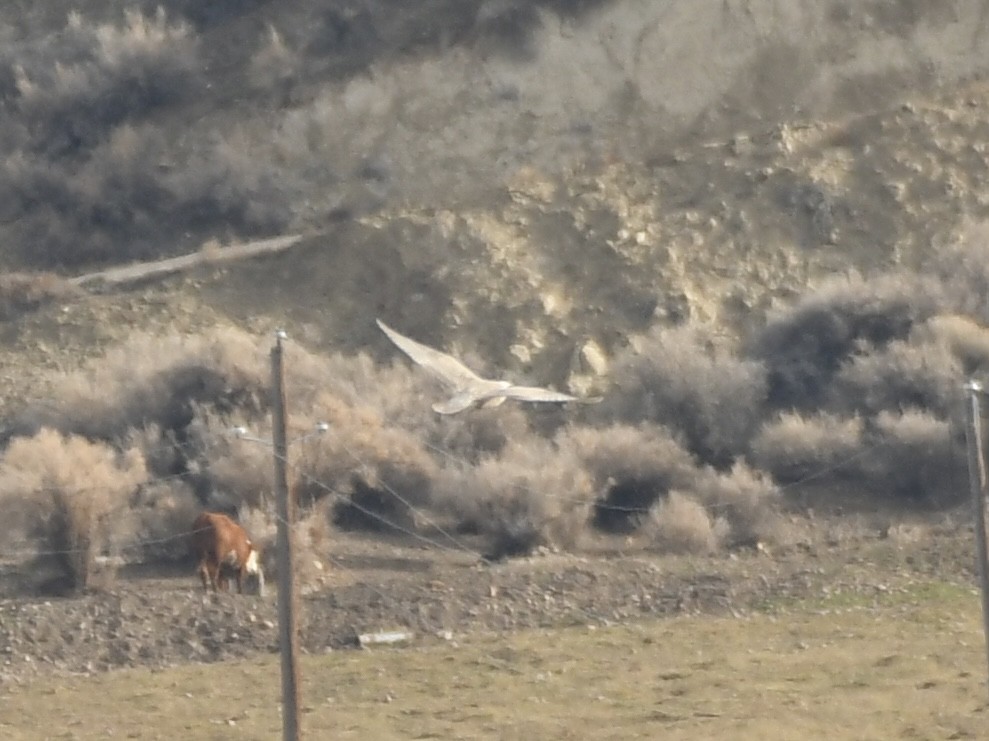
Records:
x=909, y=663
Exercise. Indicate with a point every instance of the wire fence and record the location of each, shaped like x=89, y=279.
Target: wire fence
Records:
x=447, y=541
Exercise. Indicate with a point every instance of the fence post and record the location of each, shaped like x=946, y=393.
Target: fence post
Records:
x=977, y=479
x=287, y=626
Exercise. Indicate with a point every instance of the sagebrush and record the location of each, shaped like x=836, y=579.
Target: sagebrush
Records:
x=73, y=496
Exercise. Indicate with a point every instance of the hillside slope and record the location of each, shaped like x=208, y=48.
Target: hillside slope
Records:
x=137, y=133
x=530, y=184
x=756, y=231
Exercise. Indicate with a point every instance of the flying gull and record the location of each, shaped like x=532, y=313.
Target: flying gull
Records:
x=468, y=387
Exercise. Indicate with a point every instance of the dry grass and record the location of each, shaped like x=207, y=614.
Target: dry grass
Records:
x=908, y=665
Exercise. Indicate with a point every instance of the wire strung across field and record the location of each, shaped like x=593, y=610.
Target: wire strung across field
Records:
x=455, y=544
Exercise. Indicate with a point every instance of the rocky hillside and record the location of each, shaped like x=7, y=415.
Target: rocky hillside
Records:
x=521, y=179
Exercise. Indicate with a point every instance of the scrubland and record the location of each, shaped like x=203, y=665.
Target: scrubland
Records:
x=773, y=267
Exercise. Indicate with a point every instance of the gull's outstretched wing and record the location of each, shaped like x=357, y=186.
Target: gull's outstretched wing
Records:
x=445, y=367
x=534, y=393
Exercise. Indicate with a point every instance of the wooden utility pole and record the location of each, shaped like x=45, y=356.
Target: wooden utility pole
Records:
x=287, y=627
x=978, y=480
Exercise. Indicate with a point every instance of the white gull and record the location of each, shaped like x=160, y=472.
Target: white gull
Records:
x=469, y=389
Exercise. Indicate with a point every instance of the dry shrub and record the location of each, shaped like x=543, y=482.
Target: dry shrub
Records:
x=21, y=292
x=157, y=380
x=308, y=540
x=207, y=15
x=261, y=527
x=631, y=468
x=171, y=398
x=224, y=184
x=689, y=380
x=679, y=524
x=901, y=374
x=380, y=475
x=91, y=77
x=482, y=432
x=508, y=28
x=139, y=195
x=915, y=459
x=74, y=494
x=395, y=392
x=275, y=65
x=80, y=181
x=532, y=494
x=746, y=499
x=796, y=447
x=962, y=336
x=234, y=472
x=162, y=514
x=164, y=454
x=804, y=346
x=310, y=543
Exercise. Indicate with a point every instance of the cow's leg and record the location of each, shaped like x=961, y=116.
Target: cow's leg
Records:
x=214, y=574
x=240, y=580
x=204, y=575
x=222, y=581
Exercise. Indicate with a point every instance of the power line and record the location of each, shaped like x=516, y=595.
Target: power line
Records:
x=385, y=521
x=457, y=544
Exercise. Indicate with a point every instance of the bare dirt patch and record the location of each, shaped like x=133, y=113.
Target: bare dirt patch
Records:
x=855, y=636
x=155, y=618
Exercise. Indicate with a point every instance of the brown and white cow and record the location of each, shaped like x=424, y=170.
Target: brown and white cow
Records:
x=222, y=547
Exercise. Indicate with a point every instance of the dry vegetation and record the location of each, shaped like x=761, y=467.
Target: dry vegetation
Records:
x=777, y=320
x=814, y=670
x=70, y=498
x=143, y=131
x=687, y=452
x=109, y=153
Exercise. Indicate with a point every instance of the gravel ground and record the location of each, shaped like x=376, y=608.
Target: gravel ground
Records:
x=155, y=617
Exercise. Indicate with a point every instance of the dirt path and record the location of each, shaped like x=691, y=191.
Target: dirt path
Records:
x=146, y=270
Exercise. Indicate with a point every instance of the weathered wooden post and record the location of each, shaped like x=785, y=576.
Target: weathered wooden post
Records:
x=287, y=626
x=977, y=478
